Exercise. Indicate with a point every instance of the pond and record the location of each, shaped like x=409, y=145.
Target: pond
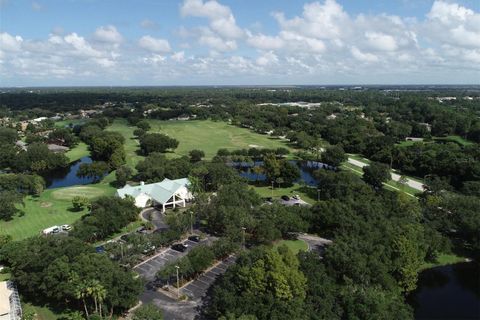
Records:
x=306, y=170
x=67, y=177
x=448, y=292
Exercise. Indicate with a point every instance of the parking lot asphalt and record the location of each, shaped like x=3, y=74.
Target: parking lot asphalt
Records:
x=186, y=310
x=148, y=268
x=197, y=288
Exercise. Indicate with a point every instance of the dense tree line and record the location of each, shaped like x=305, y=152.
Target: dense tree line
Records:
x=65, y=272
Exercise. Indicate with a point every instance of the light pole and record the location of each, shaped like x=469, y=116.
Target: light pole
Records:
x=318, y=194
x=272, y=188
x=178, y=283
x=191, y=222
x=243, y=237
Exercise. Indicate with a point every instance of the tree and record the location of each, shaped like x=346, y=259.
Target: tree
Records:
x=123, y=174
x=147, y=312
x=266, y=283
x=8, y=201
x=376, y=174
x=334, y=156
x=144, y=125
x=79, y=203
x=157, y=142
x=139, y=133
x=196, y=155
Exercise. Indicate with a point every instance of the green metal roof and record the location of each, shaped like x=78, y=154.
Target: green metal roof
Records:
x=161, y=192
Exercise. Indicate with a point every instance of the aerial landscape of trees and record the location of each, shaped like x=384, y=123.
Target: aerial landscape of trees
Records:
x=383, y=235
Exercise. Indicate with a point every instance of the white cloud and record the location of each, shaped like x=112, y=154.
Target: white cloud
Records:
x=217, y=43
x=261, y=41
x=362, y=56
x=81, y=46
x=178, y=56
x=381, y=41
x=154, y=44
x=10, y=43
x=108, y=34
x=268, y=58
x=220, y=17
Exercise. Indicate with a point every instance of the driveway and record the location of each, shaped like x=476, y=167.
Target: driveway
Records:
x=156, y=217
x=395, y=177
x=315, y=243
x=149, y=268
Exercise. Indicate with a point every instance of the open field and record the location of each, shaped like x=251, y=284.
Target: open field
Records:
x=80, y=151
x=456, y=139
x=294, y=245
x=50, y=208
x=43, y=313
x=266, y=191
x=205, y=135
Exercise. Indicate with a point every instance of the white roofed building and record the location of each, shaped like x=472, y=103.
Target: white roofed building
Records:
x=165, y=193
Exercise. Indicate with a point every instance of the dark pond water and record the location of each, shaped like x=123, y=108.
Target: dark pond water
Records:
x=67, y=177
x=448, y=292
x=306, y=170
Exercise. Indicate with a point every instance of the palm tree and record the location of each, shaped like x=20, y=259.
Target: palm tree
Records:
x=81, y=292
x=97, y=292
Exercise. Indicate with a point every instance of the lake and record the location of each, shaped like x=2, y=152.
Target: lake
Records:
x=306, y=170
x=448, y=292
x=67, y=177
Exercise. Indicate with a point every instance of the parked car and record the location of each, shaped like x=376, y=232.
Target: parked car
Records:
x=125, y=237
x=194, y=238
x=179, y=247
x=66, y=227
x=54, y=229
x=142, y=230
x=286, y=198
x=149, y=248
x=296, y=197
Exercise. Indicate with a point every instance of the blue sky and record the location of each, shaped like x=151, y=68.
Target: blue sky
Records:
x=190, y=42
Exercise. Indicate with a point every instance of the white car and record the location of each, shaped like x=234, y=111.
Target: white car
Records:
x=66, y=227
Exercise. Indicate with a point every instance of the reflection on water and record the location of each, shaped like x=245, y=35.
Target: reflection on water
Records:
x=67, y=177
x=448, y=292
x=247, y=171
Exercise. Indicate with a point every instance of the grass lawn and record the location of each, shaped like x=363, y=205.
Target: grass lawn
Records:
x=80, y=151
x=266, y=191
x=391, y=185
x=50, y=208
x=205, y=135
x=294, y=245
x=4, y=276
x=444, y=259
x=43, y=313
x=63, y=123
x=456, y=139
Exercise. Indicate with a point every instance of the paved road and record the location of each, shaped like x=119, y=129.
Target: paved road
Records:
x=148, y=268
x=395, y=177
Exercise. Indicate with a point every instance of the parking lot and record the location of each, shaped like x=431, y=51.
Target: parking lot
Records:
x=198, y=287
x=148, y=268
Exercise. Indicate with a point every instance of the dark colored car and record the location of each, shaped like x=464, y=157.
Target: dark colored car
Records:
x=269, y=199
x=100, y=249
x=125, y=237
x=179, y=247
x=194, y=238
x=142, y=230
x=286, y=198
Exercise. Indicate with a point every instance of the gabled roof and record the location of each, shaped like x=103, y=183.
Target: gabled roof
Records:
x=161, y=192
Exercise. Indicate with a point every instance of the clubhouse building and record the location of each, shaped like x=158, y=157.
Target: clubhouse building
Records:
x=160, y=194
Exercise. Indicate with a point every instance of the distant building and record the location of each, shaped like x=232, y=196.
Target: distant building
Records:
x=165, y=193
x=10, y=307
x=414, y=139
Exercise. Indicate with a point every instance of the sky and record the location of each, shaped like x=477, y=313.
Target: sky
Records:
x=238, y=42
